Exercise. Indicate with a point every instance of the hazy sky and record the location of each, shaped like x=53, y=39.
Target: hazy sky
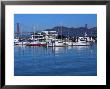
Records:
x=44, y=21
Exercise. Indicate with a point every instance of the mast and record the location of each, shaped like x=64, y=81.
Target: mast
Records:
x=34, y=33
x=85, y=30
x=21, y=32
x=68, y=36
x=61, y=31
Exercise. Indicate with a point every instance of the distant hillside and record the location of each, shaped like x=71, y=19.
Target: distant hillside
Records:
x=74, y=31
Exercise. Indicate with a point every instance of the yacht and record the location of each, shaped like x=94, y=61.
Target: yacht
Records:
x=56, y=43
x=81, y=41
x=19, y=42
x=40, y=42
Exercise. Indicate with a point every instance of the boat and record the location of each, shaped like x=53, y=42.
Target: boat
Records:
x=56, y=43
x=68, y=43
x=37, y=43
x=20, y=42
x=81, y=41
x=37, y=40
x=59, y=44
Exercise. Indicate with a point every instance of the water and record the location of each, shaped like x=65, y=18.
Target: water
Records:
x=58, y=61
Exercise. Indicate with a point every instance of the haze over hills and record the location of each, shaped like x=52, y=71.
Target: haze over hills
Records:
x=80, y=31
x=67, y=31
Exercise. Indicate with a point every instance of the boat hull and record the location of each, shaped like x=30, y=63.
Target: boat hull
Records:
x=20, y=43
x=36, y=45
x=81, y=44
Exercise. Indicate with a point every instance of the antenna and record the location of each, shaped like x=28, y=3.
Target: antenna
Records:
x=61, y=30
x=34, y=32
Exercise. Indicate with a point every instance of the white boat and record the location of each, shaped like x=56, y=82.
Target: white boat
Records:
x=37, y=43
x=82, y=41
x=68, y=43
x=59, y=44
x=20, y=43
x=37, y=40
x=56, y=43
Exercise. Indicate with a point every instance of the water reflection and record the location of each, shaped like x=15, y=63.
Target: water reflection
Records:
x=72, y=60
x=81, y=47
x=55, y=51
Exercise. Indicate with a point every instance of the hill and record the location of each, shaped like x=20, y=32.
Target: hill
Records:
x=80, y=31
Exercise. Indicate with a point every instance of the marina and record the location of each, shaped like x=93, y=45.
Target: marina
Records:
x=49, y=39
x=55, y=45
x=44, y=54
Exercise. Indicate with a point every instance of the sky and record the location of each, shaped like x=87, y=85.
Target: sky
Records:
x=30, y=22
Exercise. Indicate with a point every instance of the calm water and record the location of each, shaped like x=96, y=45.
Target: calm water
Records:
x=58, y=61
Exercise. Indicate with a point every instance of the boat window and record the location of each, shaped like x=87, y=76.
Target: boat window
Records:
x=83, y=39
